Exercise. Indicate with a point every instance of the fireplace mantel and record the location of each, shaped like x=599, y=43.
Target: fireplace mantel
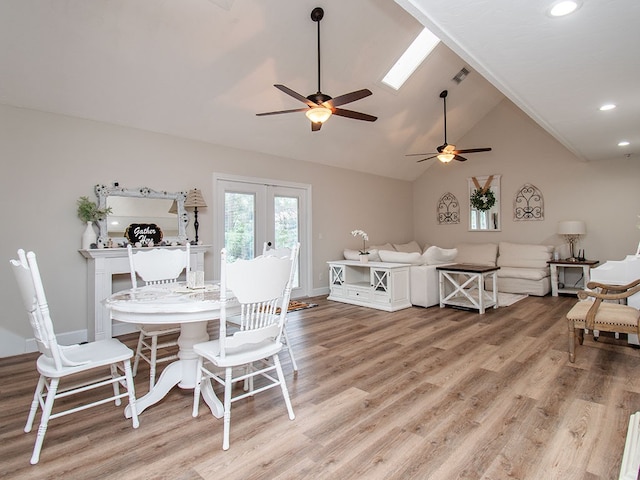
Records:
x=103, y=264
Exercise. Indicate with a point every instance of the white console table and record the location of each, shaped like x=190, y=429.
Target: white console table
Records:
x=103, y=264
x=380, y=285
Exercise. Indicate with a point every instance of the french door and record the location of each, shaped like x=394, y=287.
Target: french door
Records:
x=250, y=212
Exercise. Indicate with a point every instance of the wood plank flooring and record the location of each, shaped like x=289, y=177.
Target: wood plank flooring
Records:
x=415, y=394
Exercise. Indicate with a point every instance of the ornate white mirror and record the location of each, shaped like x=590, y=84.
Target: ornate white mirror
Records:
x=141, y=205
x=484, y=204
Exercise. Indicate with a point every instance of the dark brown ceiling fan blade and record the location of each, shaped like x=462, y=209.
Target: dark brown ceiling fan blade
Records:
x=282, y=111
x=315, y=126
x=355, y=115
x=295, y=95
x=419, y=154
x=428, y=158
x=459, y=158
x=348, y=98
x=471, y=150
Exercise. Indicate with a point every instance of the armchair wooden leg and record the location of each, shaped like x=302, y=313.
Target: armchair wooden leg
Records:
x=572, y=342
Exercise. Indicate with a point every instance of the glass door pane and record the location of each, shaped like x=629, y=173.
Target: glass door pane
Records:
x=239, y=225
x=285, y=221
x=286, y=225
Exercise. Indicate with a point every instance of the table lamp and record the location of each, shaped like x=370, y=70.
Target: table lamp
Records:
x=195, y=200
x=572, y=230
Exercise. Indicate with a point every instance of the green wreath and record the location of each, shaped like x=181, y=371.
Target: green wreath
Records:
x=483, y=201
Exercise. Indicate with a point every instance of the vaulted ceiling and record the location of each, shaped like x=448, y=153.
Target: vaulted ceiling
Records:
x=202, y=69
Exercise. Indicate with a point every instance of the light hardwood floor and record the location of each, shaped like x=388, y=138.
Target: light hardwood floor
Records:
x=416, y=394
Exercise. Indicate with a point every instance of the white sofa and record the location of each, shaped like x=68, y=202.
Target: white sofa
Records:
x=523, y=267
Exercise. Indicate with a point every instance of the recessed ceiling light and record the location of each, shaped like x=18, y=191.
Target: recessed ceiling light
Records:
x=623, y=143
x=564, y=7
x=607, y=106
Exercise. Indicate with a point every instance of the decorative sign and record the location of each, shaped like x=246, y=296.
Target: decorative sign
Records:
x=448, y=209
x=143, y=233
x=528, y=204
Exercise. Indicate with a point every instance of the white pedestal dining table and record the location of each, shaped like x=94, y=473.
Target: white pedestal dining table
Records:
x=173, y=304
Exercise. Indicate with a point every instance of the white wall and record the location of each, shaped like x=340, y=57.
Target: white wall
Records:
x=49, y=161
x=606, y=194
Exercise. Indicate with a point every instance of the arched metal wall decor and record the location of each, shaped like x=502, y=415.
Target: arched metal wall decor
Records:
x=448, y=209
x=528, y=204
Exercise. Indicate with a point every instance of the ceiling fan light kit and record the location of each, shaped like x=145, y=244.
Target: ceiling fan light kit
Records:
x=318, y=114
x=320, y=107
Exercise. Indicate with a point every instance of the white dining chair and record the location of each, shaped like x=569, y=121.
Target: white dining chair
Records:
x=260, y=286
x=285, y=252
x=58, y=362
x=157, y=266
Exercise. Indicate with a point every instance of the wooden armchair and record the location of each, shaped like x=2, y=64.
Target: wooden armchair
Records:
x=600, y=315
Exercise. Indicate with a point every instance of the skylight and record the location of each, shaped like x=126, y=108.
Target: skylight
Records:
x=411, y=59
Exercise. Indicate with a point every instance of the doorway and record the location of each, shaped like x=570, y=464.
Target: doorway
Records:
x=250, y=212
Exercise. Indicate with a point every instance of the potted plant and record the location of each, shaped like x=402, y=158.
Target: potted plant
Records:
x=89, y=213
x=364, y=254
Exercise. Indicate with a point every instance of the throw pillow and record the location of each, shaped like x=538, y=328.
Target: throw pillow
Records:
x=408, y=247
x=355, y=254
x=386, y=246
x=439, y=256
x=351, y=254
x=391, y=256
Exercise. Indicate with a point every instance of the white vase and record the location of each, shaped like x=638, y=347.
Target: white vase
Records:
x=364, y=258
x=89, y=236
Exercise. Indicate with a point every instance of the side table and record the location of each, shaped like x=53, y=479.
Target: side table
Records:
x=467, y=284
x=558, y=270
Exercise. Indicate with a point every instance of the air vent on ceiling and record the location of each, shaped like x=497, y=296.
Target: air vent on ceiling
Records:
x=461, y=75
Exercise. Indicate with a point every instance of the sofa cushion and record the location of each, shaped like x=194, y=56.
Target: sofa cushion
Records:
x=477, y=253
x=386, y=246
x=523, y=255
x=439, y=256
x=407, y=247
x=391, y=256
x=523, y=273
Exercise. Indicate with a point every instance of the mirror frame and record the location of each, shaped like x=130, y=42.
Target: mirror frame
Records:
x=103, y=192
x=495, y=210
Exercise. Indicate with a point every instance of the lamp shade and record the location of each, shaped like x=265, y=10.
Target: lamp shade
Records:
x=174, y=207
x=194, y=199
x=572, y=227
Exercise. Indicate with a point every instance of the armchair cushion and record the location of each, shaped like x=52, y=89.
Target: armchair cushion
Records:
x=607, y=314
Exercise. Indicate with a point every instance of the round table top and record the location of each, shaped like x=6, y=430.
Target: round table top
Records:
x=161, y=303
